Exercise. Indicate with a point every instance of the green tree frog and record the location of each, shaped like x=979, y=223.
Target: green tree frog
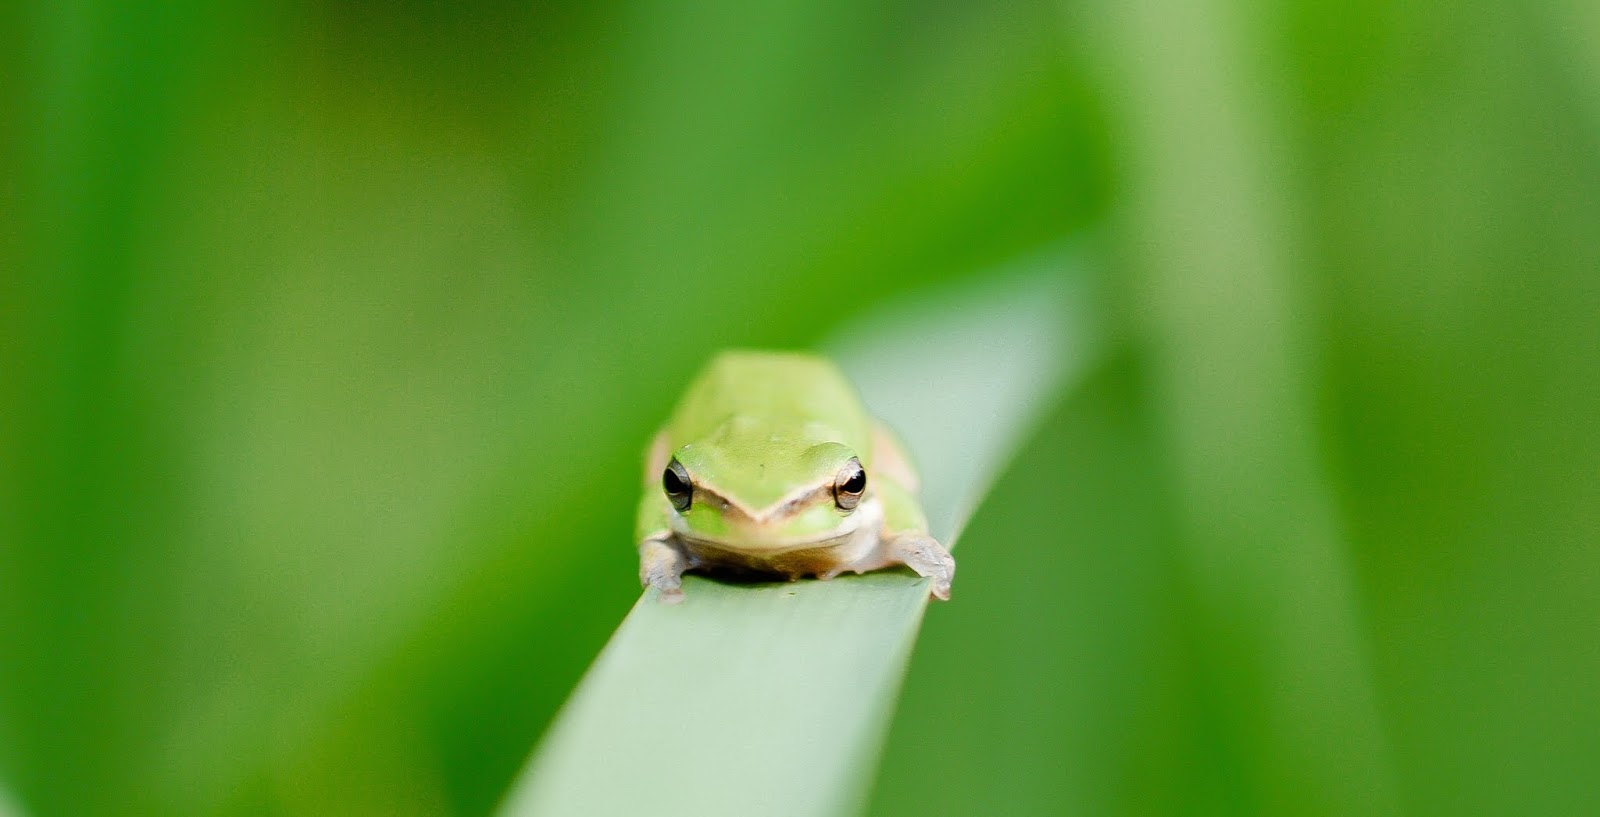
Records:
x=771, y=467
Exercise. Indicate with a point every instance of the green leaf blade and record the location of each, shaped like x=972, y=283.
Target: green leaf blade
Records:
x=747, y=713
x=774, y=698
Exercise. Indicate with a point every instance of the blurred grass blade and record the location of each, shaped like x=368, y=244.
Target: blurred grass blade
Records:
x=961, y=376
x=1213, y=233
x=772, y=699
x=8, y=806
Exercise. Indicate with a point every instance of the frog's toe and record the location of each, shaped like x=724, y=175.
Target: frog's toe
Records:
x=669, y=588
x=924, y=554
x=661, y=566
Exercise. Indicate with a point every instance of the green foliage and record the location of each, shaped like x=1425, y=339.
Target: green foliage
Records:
x=780, y=692
x=330, y=335
x=769, y=699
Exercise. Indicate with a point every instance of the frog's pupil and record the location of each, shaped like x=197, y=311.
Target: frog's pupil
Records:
x=856, y=483
x=673, y=483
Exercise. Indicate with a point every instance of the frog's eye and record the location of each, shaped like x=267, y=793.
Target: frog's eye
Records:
x=849, y=485
x=675, y=481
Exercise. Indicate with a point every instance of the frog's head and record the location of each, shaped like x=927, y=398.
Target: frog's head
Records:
x=767, y=495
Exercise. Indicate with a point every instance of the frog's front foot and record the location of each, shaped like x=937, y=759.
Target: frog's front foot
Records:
x=661, y=566
x=923, y=554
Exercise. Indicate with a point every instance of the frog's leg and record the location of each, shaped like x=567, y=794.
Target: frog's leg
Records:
x=903, y=538
x=889, y=459
x=661, y=562
x=661, y=566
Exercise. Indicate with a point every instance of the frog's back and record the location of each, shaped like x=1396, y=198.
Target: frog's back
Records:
x=787, y=389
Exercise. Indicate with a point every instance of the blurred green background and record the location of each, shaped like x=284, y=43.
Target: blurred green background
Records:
x=330, y=335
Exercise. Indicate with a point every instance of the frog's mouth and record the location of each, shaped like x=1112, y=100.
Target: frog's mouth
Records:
x=863, y=524
x=701, y=543
x=816, y=558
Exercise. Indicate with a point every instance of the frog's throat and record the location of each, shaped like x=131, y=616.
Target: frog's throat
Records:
x=863, y=524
